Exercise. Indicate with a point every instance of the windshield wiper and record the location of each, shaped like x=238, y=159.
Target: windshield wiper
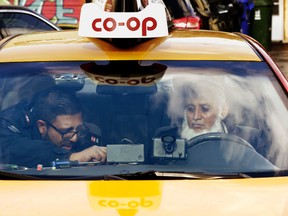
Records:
x=157, y=175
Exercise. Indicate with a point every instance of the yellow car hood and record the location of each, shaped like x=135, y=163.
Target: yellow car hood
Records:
x=258, y=196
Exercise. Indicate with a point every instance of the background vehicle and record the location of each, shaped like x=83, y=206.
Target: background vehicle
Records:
x=20, y=20
x=135, y=90
x=183, y=14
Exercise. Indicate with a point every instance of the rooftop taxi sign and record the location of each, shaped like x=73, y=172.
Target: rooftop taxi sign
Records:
x=150, y=22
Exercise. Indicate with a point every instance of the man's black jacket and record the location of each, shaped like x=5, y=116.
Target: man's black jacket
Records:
x=21, y=143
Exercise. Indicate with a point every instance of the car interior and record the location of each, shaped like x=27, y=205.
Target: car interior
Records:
x=139, y=114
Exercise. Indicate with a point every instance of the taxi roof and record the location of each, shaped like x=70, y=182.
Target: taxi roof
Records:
x=179, y=45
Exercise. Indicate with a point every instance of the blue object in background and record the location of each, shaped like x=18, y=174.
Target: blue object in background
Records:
x=247, y=7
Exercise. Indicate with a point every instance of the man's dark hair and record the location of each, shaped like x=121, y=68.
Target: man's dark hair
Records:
x=49, y=104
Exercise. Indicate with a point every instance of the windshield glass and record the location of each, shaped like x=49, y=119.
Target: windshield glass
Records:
x=178, y=116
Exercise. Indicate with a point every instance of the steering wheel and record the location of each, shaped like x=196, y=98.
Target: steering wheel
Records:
x=224, y=152
x=217, y=137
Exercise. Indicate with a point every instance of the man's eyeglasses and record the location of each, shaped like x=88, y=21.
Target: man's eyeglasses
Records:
x=81, y=131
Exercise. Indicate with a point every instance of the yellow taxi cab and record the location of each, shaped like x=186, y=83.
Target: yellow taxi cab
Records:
x=131, y=116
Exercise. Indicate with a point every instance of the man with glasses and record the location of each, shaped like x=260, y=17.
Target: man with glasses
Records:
x=51, y=129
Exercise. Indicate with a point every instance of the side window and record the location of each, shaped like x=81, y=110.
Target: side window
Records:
x=15, y=23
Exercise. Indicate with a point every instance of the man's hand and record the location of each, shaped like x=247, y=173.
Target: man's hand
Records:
x=93, y=153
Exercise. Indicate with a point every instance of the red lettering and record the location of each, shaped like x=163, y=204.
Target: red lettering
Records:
x=94, y=23
x=106, y=27
x=133, y=24
x=136, y=21
x=145, y=26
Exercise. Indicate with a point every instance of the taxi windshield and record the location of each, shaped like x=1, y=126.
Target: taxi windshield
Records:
x=170, y=115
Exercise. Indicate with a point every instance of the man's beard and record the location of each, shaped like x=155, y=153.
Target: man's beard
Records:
x=188, y=133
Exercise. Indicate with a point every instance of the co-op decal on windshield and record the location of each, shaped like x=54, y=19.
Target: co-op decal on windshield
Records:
x=150, y=22
x=124, y=73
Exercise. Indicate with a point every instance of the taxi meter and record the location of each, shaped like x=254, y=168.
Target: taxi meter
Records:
x=150, y=22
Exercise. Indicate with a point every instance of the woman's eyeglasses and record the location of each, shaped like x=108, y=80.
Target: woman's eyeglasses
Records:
x=81, y=131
